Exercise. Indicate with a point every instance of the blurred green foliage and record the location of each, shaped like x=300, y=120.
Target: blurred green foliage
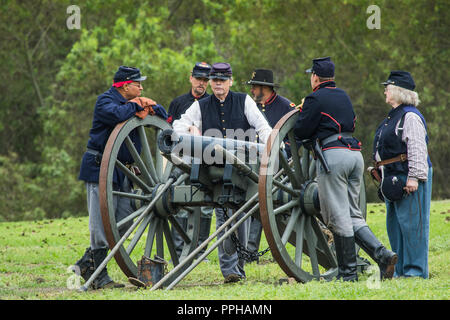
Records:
x=54, y=75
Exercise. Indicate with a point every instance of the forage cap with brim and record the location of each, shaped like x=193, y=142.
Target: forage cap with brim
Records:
x=125, y=73
x=262, y=77
x=323, y=67
x=221, y=70
x=402, y=79
x=201, y=70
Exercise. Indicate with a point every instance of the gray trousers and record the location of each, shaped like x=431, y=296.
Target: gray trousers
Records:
x=231, y=264
x=339, y=191
x=96, y=230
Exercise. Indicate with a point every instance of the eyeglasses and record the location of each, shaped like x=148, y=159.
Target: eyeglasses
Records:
x=201, y=79
x=139, y=85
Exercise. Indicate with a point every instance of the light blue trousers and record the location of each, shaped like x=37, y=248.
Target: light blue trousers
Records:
x=408, y=228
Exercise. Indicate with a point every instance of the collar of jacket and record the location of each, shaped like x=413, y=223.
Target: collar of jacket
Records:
x=228, y=97
x=396, y=110
x=117, y=94
x=197, y=98
x=327, y=83
x=271, y=99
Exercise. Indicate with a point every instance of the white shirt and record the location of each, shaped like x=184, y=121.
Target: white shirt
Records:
x=193, y=117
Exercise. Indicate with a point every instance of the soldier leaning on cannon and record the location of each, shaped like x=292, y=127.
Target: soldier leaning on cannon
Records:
x=328, y=116
x=199, y=83
x=225, y=111
x=274, y=107
x=119, y=103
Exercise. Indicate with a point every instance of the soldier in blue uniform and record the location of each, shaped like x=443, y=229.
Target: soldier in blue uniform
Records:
x=274, y=107
x=328, y=116
x=114, y=106
x=199, y=82
x=224, y=112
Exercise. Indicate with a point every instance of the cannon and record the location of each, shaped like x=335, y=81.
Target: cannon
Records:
x=253, y=179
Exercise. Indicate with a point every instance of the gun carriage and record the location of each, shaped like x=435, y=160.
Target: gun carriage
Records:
x=279, y=191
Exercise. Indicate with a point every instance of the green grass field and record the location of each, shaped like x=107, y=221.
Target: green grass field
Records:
x=35, y=257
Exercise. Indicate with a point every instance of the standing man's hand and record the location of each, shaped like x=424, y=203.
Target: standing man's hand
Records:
x=411, y=186
x=194, y=131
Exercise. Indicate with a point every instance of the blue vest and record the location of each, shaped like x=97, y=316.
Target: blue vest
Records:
x=389, y=145
x=228, y=114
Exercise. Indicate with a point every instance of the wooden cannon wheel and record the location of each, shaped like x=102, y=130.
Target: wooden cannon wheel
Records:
x=152, y=236
x=299, y=241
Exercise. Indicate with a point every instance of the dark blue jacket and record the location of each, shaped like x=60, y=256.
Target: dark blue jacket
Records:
x=110, y=109
x=226, y=115
x=327, y=111
x=389, y=145
x=275, y=108
x=180, y=104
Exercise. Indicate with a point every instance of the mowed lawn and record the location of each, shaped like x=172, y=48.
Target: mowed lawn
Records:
x=35, y=260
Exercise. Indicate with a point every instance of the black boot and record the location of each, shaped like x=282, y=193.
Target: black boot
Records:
x=385, y=258
x=346, y=258
x=205, y=228
x=103, y=281
x=86, y=265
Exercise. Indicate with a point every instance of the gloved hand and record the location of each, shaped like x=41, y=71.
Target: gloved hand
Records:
x=160, y=111
x=145, y=103
x=147, y=109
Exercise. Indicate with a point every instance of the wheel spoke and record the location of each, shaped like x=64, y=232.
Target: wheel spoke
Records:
x=299, y=235
x=140, y=164
x=286, y=206
x=140, y=230
x=147, y=153
x=131, y=195
x=305, y=163
x=295, y=156
x=323, y=242
x=179, y=229
x=167, y=171
x=312, y=168
x=151, y=236
x=170, y=243
x=311, y=243
x=130, y=175
x=159, y=159
x=290, y=225
x=288, y=171
x=130, y=217
x=160, y=239
x=284, y=187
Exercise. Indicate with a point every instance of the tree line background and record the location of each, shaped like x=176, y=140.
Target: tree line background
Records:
x=53, y=75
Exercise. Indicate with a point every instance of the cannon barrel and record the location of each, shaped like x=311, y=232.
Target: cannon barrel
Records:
x=169, y=141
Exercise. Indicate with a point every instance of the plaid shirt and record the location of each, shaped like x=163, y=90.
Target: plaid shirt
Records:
x=414, y=136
